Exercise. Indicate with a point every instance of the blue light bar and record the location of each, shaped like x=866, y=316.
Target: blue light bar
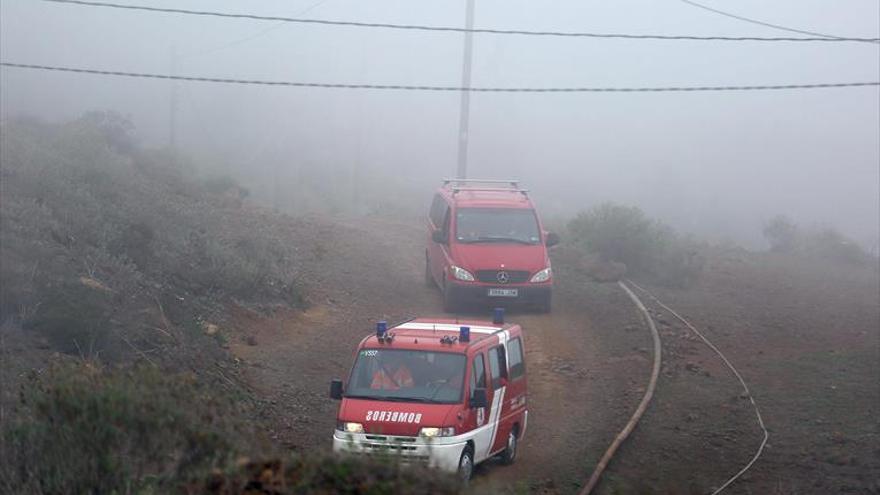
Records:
x=464, y=334
x=498, y=316
x=381, y=328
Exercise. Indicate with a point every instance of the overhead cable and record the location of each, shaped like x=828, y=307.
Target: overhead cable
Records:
x=405, y=87
x=767, y=24
x=418, y=27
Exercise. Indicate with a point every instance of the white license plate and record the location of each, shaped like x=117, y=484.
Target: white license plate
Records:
x=503, y=292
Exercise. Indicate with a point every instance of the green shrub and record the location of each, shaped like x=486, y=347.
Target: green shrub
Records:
x=324, y=474
x=648, y=248
x=785, y=236
x=73, y=318
x=81, y=429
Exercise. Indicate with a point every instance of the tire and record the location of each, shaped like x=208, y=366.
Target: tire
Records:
x=508, y=456
x=449, y=303
x=546, y=305
x=429, y=278
x=466, y=465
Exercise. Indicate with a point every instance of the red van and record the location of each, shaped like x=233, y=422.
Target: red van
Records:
x=449, y=394
x=486, y=244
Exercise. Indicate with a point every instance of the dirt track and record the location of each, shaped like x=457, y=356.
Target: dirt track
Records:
x=588, y=362
x=583, y=384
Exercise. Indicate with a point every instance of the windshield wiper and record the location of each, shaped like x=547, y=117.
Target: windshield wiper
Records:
x=392, y=398
x=497, y=239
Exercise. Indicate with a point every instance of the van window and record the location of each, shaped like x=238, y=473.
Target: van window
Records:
x=438, y=210
x=498, y=225
x=497, y=366
x=478, y=373
x=515, y=359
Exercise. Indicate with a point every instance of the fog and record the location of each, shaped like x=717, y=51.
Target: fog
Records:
x=716, y=164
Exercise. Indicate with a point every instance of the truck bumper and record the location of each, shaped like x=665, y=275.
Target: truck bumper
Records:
x=440, y=453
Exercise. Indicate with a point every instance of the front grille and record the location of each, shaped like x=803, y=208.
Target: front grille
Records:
x=514, y=276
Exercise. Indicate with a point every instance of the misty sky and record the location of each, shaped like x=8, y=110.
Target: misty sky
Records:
x=716, y=164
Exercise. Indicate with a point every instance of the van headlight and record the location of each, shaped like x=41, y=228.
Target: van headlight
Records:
x=431, y=432
x=349, y=427
x=542, y=276
x=461, y=274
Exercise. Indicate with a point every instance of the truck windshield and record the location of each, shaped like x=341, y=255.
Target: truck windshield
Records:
x=502, y=225
x=407, y=375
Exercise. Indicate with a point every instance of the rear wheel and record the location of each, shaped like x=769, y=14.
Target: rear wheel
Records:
x=466, y=465
x=429, y=278
x=508, y=456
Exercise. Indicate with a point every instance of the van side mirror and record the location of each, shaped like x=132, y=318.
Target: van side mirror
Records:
x=478, y=398
x=552, y=239
x=336, y=389
x=439, y=236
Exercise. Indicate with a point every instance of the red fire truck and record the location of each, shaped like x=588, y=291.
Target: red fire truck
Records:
x=443, y=392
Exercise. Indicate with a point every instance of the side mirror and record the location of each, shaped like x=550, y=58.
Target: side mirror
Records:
x=439, y=236
x=478, y=398
x=552, y=239
x=336, y=389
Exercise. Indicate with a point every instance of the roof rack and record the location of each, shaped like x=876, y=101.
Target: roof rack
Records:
x=512, y=183
x=494, y=185
x=456, y=190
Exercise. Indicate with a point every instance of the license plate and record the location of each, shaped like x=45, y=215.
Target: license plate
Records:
x=503, y=292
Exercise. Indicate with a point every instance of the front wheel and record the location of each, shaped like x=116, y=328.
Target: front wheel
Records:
x=466, y=465
x=509, y=455
x=546, y=305
x=449, y=303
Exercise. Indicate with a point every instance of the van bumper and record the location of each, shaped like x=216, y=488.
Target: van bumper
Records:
x=440, y=453
x=531, y=294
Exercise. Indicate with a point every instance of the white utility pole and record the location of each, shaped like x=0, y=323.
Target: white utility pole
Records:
x=465, y=109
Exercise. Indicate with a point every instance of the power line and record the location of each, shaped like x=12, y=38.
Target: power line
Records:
x=403, y=87
x=767, y=24
x=257, y=35
x=418, y=27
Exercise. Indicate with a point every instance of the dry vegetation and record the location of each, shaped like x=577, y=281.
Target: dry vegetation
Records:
x=119, y=266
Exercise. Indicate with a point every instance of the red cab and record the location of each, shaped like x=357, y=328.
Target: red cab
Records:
x=449, y=394
x=486, y=244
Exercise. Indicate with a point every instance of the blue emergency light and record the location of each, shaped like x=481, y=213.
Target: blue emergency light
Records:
x=498, y=316
x=464, y=334
x=381, y=328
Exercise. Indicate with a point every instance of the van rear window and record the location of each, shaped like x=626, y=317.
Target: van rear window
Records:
x=498, y=225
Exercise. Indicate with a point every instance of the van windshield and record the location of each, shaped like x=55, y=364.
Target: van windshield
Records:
x=502, y=225
x=407, y=376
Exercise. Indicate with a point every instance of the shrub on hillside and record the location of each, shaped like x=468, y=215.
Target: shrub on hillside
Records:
x=81, y=429
x=624, y=234
x=785, y=236
x=80, y=199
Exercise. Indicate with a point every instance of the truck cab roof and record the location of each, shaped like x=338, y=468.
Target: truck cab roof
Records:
x=435, y=334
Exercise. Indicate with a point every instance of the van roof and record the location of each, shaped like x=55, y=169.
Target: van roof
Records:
x=428, y=333
x=486, y=197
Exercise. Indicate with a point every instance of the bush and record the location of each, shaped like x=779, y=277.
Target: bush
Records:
x=623, y=234
x=325, y=474
x=81, y=429
x=785, y=236
x=782, y=234
x=73, y=318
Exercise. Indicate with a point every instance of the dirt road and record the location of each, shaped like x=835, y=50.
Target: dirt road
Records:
x=806, y=339
x=587, y=360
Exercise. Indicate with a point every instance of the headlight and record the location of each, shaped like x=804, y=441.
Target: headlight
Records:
x=350, y=427
x=431, y=432
x=461, y=274
x=542, y=276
